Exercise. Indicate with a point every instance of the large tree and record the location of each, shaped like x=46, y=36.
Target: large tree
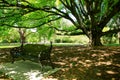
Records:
x=90, y=16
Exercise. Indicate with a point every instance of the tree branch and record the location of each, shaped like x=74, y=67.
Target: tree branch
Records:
x=30, y=27
x=114, y=11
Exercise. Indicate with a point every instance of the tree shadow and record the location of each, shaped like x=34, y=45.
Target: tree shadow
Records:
x=22, y=70
x=4, y=56
x=80, y=63
x=26, y=70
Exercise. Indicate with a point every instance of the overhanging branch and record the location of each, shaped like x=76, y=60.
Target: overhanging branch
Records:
x=114, y=11
x=30, y=27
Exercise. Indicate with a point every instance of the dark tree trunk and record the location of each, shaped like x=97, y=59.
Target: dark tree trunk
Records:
x=95, y=38
x=96, y=41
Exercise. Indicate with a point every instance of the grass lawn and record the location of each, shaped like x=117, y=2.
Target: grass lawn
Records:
x=72, y=63
x=8, y=45
x=26, y=70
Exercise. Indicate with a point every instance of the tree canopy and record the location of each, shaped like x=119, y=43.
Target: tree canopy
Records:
x=90, y=16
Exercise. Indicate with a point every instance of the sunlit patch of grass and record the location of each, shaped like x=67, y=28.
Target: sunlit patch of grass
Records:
x=112, y=44
x=9, y=45
x=27, y=70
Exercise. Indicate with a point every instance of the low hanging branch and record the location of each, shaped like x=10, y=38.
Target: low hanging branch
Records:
x=30, y=27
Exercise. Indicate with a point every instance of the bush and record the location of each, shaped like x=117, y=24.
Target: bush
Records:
x=32, y=51
x=64, y=40
x=5, y=41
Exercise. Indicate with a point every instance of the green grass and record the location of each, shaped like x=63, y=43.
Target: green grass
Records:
x=22, y=70
x=112, y=44
x=8, y=45
x=26, y=70
x=36, y=47
x=71, y=67
x=68, y=44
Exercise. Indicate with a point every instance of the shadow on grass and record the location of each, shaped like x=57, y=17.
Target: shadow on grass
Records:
x=74, y=63
x=80, y=63
x=26, y=70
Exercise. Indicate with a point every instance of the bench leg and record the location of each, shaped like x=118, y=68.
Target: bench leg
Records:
x=51, y=64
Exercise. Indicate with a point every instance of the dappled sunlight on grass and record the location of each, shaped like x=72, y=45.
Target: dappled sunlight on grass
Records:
x=82, y=63
x=71, y=63
x=26, y=70
x=33, y=75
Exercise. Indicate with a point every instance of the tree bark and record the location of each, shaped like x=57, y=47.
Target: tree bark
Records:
x=94, y=38
x=119, y=37
x=23, y=39
x=22, y=35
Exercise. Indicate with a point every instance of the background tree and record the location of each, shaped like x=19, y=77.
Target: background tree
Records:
x=24, y=33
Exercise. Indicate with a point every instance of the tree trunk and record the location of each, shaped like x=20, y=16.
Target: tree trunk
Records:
x=22, y=35
x=23, y=39
x=94, y=39
x=119, y=37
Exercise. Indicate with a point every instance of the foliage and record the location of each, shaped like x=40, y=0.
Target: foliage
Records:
x=89, y=16
x=7, y=35
x=112, y=37
x=45, y=32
